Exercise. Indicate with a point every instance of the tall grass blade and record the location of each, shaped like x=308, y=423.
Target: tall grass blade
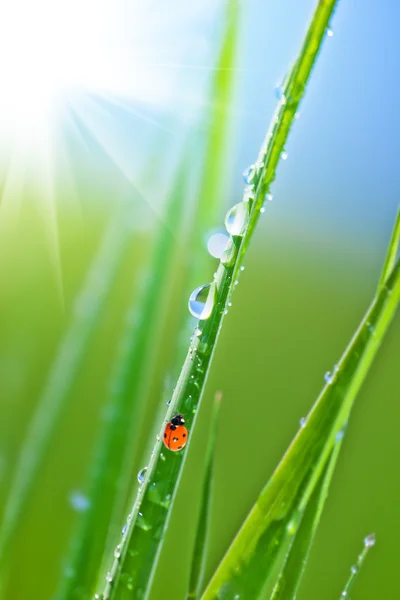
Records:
x=114, y=453
x=392, y=251
x=260, y=549
x=51, y=405
x=131, y=573
x=200, y=547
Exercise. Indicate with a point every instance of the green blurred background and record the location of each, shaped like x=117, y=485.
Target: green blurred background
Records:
x=310, y=274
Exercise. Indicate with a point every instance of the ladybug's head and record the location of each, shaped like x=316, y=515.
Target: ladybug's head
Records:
x=177, y=420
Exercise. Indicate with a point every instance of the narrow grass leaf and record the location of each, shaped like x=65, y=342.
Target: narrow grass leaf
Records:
x=200, y=547
x=259, y=551
x=289, y=578
x=369, y=542
x=131, y=573
x=392, y=251
x=114, y=454
x=69, y=359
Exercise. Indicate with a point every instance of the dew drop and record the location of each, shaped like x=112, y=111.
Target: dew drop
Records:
x=369, y=541
x=141, y=476
x=329, y=33
x=279, y=93
x=117, y=551
x=353, y=569
x=237, y=219
x=79, y=501
x=268, y=197
x=197, y=332
x=202, y=300
x=168, y=402
x=249, y=174
x=284, y=155
x=217, y=243
x=297, y=116
x=328, y=377
x=125, y=527
x=158, y=437
x=344, y=594
x=142, y=523
x=303, y=421
x=262, y=209
x=109, y=577
x=340, y=435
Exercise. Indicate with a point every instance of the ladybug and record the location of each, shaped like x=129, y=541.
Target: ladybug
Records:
x=175, y=434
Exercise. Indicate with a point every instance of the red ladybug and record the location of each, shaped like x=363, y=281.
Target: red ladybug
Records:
x=175, y=434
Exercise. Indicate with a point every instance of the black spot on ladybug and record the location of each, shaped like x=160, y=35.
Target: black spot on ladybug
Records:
x=183, y=434
x=165, y=435
x=180, y=447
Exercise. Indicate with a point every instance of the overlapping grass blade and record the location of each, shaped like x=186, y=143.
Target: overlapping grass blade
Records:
x=289, y=578
x=114, y=453
x=200, y=547
x=131, y=572
x=89, y=305
x=260, y=550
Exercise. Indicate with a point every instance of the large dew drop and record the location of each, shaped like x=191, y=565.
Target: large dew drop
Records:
x=249, y=174
x=142, y=475
x=202, y=300
x=237, y=219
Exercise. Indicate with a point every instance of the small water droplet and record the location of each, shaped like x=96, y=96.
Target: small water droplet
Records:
x=269, y=197
x=109, y=577
x=217, y=243
x=297, y=116
x=279, y=93
x=97, y=597
x=344, y=594
x=354, y=569
x=125, y=527
x=158, y=437
x=197, y=332
x=284, y=155
x=242, y=268
x=303, y=421
x=162, y=457
x=202, y=300
x=229, y=304
x=117, y=551
x=369, y=541
x=142, y=523
x=79, y=501
x=340, y=435
x=262, y=209
x=237, y=219
x=142, y=475
x=168, y=402
x=249, y=174
x=329, y=33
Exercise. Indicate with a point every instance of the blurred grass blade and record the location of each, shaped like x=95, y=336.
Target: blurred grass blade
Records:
x=50, y=407
x=259, y=551
x=131, y=573
x=289, y=578
x=392, y=251
x=369, y=541
x=200, y=547
x=114, y=454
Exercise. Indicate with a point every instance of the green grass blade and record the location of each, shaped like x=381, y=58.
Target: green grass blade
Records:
x=369, y=542
x=259, y=550
x=289, y=578
x=114, y=453
x=53, y=400
x=132, y=571
x=199, y=553
x=392, y=252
